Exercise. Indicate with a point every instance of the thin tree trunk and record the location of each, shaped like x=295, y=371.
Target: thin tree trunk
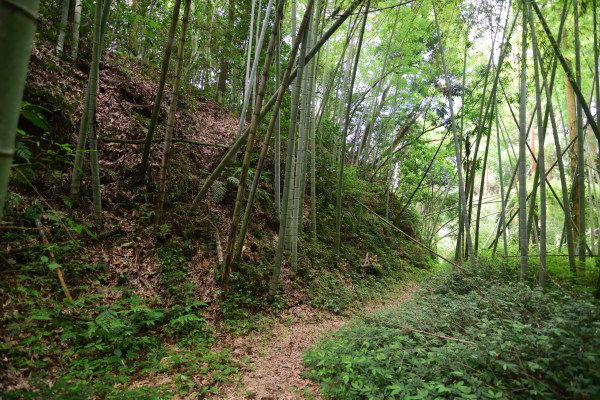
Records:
x=135, y=28
x=541, y=162
x=277, y=172
x=461, y=189
x=523, y=242
x=483, y=175
x=227, y=265
x=597, y=72
x=224, y=68
x=252, y=77
x=272, y=124
x=239, y=142
x=166, y=154
x=338, y=208
x=76, y=24
x=161, y=87
x=580, y=143
x=503, y=205
x=18, y=19
x=312, y=128
x=64, y=20
x=287, y=182
x=88, y=119
x=298, y=181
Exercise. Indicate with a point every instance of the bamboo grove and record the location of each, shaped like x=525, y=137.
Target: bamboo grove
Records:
x=428, y=98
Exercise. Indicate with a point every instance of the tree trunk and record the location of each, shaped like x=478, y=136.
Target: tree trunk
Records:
x=18, y=20
x=88, y=119
x=338, y=208
x=523, y=242
x=277, y=167
x=580, y=144
x=161, y=87
x=461, y=191
x=541, y=155
x=251, y=79
x=166, y=154
x=272, y=125
x=64, y=20
x=224, y=68
x=287, y=183
x=135, y=28
x=227, y=265
x=76, y=24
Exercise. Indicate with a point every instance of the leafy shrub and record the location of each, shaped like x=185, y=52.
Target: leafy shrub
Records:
x=466, y=336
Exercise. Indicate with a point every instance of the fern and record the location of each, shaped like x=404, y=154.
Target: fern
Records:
x=22, y=152
x=219, y=191
x=233, y=181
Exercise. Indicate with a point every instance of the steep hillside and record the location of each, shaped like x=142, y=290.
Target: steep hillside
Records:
x=140, y=291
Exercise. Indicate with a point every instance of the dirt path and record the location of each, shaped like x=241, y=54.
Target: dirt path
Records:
x=274, y=369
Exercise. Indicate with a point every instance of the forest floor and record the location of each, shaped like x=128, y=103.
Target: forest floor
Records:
x=272, y=360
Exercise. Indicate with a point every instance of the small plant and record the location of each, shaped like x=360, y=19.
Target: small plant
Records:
x=466, y=336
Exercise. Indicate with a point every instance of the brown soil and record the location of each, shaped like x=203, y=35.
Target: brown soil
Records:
x=274, y=370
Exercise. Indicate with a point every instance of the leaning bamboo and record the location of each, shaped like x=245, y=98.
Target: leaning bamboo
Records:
x=166, y=154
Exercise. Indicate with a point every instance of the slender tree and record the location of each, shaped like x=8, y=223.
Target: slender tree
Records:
x=523, y=242
x=224, y=67
x=277, y=162
x=76, y=24
x=241, y=192
x=64, y=20
x=541, y=161
x=580, y=143
x=88, y=119
x=461, y=190
x=166, y=154
x=241, y=140
x=287, y=182
x=338, y=208
x=500, y=173
x=161, y=87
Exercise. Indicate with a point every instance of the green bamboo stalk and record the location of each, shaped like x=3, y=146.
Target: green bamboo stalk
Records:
x=277, y=171
x=298, y=181
x=161, y=87
x=166, y=153
x=461, y=188
x=273, y=123
x=287, y=182
x=91, y=121
x=580, y=142
x=227, y=266
x=541, y=159
x=88, y=119
x=241, y=140
x=64, y=20
x=18, y=19
x=523, y=242
x=338, y=212
x=312, y=130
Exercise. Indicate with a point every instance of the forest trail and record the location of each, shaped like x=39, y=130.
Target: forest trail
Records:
x=274, y=369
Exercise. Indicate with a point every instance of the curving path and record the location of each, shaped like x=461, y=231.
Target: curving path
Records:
x=273, y=365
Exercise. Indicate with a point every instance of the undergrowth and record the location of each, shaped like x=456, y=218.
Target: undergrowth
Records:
x=468, y=335
x=99, y=345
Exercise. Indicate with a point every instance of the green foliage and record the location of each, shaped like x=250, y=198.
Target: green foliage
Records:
x=466, y=336
x=108, y=337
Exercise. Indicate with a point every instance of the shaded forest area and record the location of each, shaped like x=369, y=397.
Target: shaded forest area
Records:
x=191, y=190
